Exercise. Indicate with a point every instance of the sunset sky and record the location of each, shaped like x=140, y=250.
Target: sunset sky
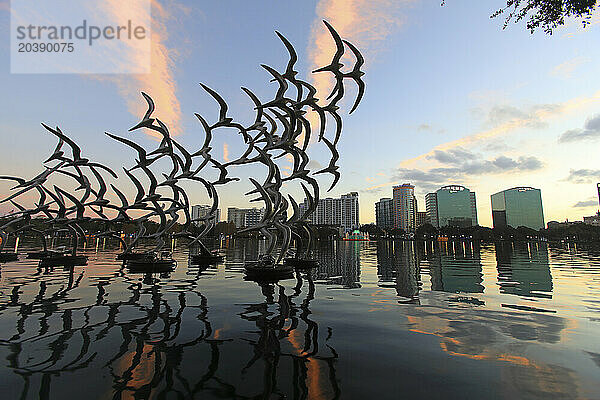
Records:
x=451, y=97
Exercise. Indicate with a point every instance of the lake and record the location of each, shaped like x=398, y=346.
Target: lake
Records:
x=385, y=320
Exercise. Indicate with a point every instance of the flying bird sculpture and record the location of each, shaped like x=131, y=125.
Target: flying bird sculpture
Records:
x=280, y=130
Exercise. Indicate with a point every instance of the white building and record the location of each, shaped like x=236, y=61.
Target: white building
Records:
x=245, y=217
x=254, y=216
x=201, y=210
x=593, y=220
x=343, y=212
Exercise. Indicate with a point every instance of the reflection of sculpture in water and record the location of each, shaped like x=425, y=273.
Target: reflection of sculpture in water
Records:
x=310, y=378
x=398, y=262
x=146, y=361
x=524, y=269
x=141, y=341
x=155, y=364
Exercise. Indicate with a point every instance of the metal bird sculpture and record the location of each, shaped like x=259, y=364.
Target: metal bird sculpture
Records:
x=281, y=130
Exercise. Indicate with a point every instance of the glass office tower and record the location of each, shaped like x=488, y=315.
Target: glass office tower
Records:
x=452, y=205
x=520, y=206
x=384, y=213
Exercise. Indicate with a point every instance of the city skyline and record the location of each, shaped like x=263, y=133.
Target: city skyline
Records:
x=460, y=208
x=384, y=217
x=468, y=122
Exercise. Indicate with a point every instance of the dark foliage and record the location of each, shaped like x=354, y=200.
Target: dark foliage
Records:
x=397, y=232
x=545, y=14
x=579, y=232
x=373, y=230
x=325, y=232
x=425, y=230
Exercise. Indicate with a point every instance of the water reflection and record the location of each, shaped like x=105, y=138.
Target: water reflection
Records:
x=457, y=271
x=398, y=262
x=156, y=340
x=339, y=264
x=524, y=269
x=207, y=333
x=453, y=268
x=456, y=267
x=283, y=323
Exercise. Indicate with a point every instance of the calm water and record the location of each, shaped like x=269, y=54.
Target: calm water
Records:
x=381, y=320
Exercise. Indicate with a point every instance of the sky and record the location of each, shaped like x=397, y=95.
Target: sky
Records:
x=451, y=97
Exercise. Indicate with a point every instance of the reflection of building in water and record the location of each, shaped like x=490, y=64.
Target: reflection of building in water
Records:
x=386, y=267
x=339, y=263
x=397, y=261
x=456, y=269
x=241, y=250
x=524, y=269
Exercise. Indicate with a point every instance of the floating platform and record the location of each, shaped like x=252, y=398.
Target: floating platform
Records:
x=151, y=262
x=131, y=256
x=261, y=272
x=63, y=259
x=206, y=259
x=8, y=256
x=301, y=263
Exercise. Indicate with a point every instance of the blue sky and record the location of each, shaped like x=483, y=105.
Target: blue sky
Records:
x=451, y=97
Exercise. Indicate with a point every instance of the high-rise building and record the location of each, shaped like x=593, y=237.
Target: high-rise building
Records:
x=201, y=211
x=342, y=212
x=254, y=216
x=474, y=208
x=422, y=218
x=598, y=187
x=431, y=207
x=384, y=213
x=519, y=206
x=452, y=205
x=245, y=217
x=350, y=211
x=404, y=205
x=237, y=216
